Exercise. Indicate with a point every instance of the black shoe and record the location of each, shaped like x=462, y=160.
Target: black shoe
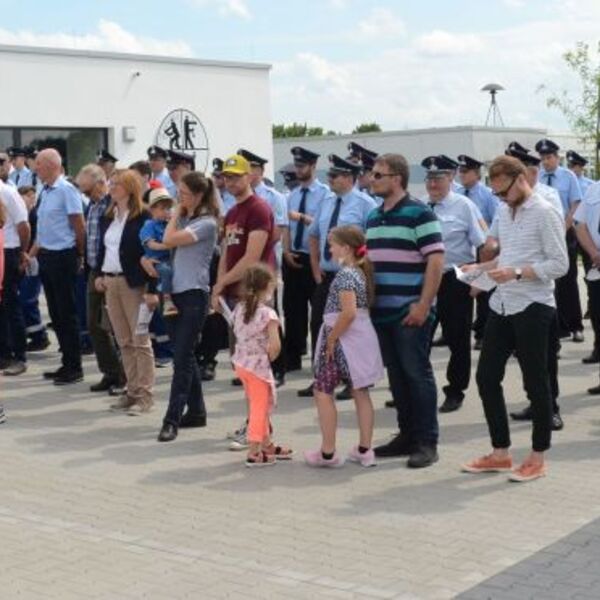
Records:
x=478, y=344
x=67, y=377
x=522, y=415
x=591, y=359
x=557, y=422
x=37, y=345
x=208, y=372
x=236, y=381
x=440, y=342
x=5, y=363
x=306, y=392
x=594, y=391
x=345, y=394
x=424, y=456
x=279, y=380
x=191, y=420
x=167, y=433
x=398, y=446
x=578, y=337
x=103, y=385
x=450, y=405
x=87, y=350
x=390, y=404
x=53, y=374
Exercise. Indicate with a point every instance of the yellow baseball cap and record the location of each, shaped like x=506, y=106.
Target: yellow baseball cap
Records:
x=236, y=165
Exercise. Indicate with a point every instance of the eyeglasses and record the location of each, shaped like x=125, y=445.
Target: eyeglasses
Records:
x=377, y=175
x=504, y=193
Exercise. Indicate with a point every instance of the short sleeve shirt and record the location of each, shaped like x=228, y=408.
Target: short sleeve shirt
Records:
x=16, y=212
x=191, y=263
x=253, y=214
x=154, y=230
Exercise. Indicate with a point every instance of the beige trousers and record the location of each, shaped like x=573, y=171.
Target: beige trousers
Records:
x=123, y=305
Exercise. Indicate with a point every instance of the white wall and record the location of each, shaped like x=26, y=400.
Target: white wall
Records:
x=90, y=89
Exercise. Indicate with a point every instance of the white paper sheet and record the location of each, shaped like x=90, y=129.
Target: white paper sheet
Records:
x=477, y=278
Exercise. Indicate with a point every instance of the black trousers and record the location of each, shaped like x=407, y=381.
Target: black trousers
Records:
x=594, y=296
x=13, y=338
x=279, y=364
x=318, y=307
x=528, y=332
x=298, y=289
x=482, y=310
x=58, y=270
x=568, y=303
x=455, y=315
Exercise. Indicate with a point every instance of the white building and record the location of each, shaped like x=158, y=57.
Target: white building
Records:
x=482, y=143
x=81, y=101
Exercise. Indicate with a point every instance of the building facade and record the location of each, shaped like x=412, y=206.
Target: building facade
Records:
x=81, y=101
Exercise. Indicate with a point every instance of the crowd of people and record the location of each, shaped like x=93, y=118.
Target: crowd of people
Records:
x=159, y=263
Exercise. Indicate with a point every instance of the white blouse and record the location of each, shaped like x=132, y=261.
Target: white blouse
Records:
x=112, y=242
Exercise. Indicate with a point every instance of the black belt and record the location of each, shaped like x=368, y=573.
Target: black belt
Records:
x=44, y=251
x=112, y=274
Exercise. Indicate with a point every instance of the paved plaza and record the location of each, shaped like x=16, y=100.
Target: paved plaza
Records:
x=91, y=506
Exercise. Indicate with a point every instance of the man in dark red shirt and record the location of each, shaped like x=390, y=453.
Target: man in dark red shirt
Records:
x=249, y=231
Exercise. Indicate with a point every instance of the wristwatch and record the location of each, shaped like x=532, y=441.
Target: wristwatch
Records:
x=518, y=274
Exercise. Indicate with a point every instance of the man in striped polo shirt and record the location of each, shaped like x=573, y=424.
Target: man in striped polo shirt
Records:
x=404, y=241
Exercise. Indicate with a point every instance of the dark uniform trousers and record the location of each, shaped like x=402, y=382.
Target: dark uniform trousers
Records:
x=455, y=315
x=594, y=296
x=567, y=293
x=103, y=342
x=13, y=338
x=318, y=307
x=298, y=289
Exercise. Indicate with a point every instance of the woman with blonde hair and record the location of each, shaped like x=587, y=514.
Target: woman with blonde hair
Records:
x=125, y=284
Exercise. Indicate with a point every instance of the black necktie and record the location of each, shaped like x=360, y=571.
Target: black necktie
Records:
x=300, y=229
x=549, y=177
x=334, y=219
x=467, y=192
x=17, y=178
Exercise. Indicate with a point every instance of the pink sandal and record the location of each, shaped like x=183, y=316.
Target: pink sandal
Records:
x=279, y=452
x=262, y=459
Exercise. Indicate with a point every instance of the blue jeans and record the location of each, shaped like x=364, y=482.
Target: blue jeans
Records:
x=405, y=353
x=165, y=277
x=185, y=327
x=29, y=294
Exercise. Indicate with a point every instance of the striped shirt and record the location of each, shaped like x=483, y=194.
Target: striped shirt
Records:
x=399, y=241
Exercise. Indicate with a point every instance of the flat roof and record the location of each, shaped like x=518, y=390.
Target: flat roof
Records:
x=195, y=62
x=428, y=130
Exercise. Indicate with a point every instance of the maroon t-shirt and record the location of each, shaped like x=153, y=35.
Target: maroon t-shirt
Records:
x=254, y=214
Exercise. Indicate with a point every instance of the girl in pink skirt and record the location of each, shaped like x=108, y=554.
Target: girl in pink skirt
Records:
x=347, y=349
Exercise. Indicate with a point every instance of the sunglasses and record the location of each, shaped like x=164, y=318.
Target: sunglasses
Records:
x=377, y=175
x=504, y=193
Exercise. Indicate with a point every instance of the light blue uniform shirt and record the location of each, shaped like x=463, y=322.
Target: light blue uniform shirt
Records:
x=588, y=212
x=57, y=202
x=317, y=192
x=584, y=184
x=276, y=201
x=354, y=210
x=461, y=232
x=484, y=199
x=167, y=182
x=565, y=182
x=20, y=178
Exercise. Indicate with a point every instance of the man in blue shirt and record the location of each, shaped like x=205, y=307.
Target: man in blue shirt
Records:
x=59, y=247
x=462, y=234
x=107, y=161
x=288, y=172
x=227, y=200
x=577, y=164
x=20, y=175
x=178, y=164
x=344, y=206
x=299, y=284
x=157, y=157
x=570, y=319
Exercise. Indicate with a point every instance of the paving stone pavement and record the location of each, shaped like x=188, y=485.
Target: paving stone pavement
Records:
x=91, y=506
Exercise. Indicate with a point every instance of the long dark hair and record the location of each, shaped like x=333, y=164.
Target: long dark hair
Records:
x=350, y=235
x=197, y=183
x=255, y=282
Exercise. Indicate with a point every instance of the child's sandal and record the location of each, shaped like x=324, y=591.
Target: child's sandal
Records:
x=279, y=452
x=262, y=459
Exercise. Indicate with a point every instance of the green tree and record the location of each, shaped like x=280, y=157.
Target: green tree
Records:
x=583, y=111
x=295, y=130
x=367, y=128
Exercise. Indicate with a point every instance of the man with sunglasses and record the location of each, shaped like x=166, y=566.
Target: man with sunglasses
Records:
x=570, y=318
x=404, y=241
x=299, y=284
x=462, y=234
x=344, y=206
x=532, y=254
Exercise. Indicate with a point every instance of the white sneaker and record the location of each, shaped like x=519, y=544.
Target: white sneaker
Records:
x=240, y=443
x=234, y=435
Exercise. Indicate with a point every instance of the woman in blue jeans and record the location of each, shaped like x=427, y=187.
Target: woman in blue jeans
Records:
x=192, y=234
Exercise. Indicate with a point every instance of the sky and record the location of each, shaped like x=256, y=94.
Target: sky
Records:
x=404, y=64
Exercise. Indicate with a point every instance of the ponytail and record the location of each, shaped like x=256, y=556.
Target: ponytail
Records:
x=255, y=283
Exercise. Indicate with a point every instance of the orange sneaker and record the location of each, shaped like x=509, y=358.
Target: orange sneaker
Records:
x=528, y=472
x=488, y=464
